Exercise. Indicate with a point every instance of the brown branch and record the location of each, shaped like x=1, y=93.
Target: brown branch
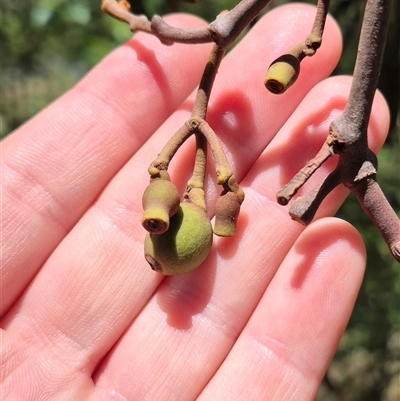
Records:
x=366, y=73
x=195, y=186
x=207, y=82
x=226, y=28
x=168, y=33
x=377, y=207
x=116, y=10
x=315, y=38
x=348, y=137
x=304, y=208
x=313, y=41
x=204, y=134
x=163, y=159
x=290, y=189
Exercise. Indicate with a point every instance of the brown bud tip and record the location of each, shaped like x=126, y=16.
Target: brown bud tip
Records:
x=282, y=73
x=184, y=246
x=226, y=214
x=124, y=4
x=160, y=202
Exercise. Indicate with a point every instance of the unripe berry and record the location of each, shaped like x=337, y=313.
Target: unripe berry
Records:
x=184, y=246
x=282, y=73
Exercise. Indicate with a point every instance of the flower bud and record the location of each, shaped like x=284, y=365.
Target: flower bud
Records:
x=160, y=201
x=282, y=73
x=226, y=213
x=184, y=246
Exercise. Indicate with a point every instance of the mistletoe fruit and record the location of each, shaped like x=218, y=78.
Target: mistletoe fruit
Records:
x=184, y=246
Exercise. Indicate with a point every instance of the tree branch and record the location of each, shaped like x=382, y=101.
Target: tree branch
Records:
x=348, y=137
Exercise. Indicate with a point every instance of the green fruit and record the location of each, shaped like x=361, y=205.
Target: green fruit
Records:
x=282, y=73
x=184, y=246
x=160, y=201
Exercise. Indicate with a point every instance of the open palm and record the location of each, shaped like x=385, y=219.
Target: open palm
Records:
x=83, y=315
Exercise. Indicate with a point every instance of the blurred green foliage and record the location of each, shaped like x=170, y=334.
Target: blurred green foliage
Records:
x=48, y=45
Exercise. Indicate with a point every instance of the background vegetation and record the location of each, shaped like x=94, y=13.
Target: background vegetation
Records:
x=47, y=45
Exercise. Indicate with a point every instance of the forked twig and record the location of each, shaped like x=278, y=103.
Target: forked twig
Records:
x=347, y=137
x=357, y=166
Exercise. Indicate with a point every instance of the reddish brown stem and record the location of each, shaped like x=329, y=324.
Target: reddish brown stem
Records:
x=314, y=39
x=375, y=204
x=166, y=32
x=204, y=134
x=290, y=189
x=348, y=138
x=195, y=186
x=303, y=209
x=356, y=115
x=135, y=22
x=227, y=27
x=207, y=82
x=223, y=31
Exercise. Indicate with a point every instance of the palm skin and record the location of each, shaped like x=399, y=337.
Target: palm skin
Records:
x=83, y=315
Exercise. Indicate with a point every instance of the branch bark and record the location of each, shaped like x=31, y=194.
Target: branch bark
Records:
x=347, y=137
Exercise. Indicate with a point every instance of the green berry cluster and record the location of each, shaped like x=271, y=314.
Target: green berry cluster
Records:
x=180, y=235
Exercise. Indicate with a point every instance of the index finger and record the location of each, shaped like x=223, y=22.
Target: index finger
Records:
x=55, y=165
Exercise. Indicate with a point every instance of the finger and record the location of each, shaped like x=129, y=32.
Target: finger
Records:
x=290, y=339
x=96, y=282
x=194, y=320
x=56, y=165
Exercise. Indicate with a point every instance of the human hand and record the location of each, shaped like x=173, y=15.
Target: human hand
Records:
x=85, y=317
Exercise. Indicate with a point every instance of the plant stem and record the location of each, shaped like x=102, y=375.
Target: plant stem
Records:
x=207, y=81
x=226, y=28
x=366, y=71
x=314, y=39
x=377, y=207
x=195, y=186
x=135, y=22
x=289, y=190
x=198, y=125
x=357, y=164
